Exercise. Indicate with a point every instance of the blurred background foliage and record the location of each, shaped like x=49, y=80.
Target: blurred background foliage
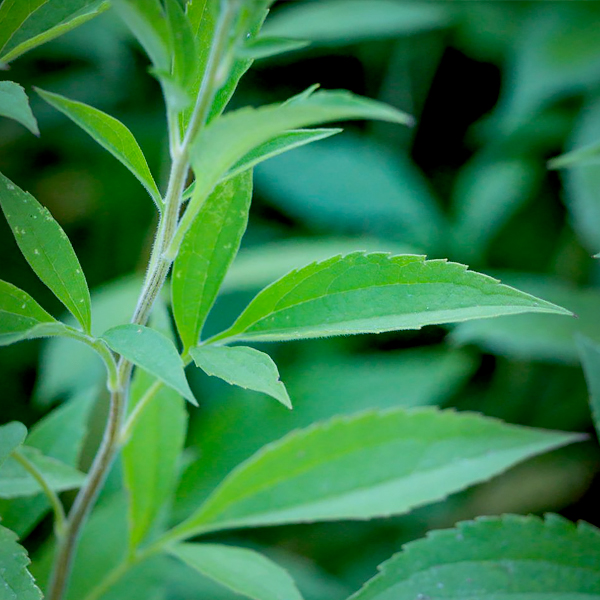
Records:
x=498, y=88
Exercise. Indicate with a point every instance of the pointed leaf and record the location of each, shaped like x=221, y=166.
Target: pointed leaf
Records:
x=21, y=317
x=368, y=465
x=15, y=481
x=206, y=254
x=12, y=435
x=151, y=351
x=495, y=557
x=590, y=359
x=587, y=155
x=241, y=570
x=242, y=366
x=47, y=249
x=14, y=104
x=371, y=293
x=16, y=583
x=263, y=47
x=111, y=134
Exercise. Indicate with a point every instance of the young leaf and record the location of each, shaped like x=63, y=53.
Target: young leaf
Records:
x=242, y=366
x=372, y=293
x=14, y=104
x=47, y=249
x=228, y=139
x=495, y=557
x=241, y=570
x=206, y=254
x=185, y=51
x=26, y=25
x=21, y=317
x=263, y=47
x=15, y=481
x=111, y=134
x=15, y=581
x=12, y=435
x=151, y=454
x=151, y=351
x=590, y=359
x=369, y=465
x=588, y=155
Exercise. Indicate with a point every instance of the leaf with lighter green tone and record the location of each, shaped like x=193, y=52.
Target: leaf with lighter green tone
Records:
x=242, y=570
x=587, y=155
x=151, y=351
x=147, y=21
x=47, y=249
x=373, y=293
x=185, y=51
x=207, y=252
x=16, y=583
x=111, y=134
x=590, y=359
x=14, y=104
x=369, y=465
x=15, y=481
x=264, y=47
x=495, y=557
x=350, y=21
x=59, y=435
x=26, y=25
x=12, y=435
x=242, y=366
x=22, y=318
x=151, y=455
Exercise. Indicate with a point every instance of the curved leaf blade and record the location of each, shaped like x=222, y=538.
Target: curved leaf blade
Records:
x=14, y=104
x=153, y=352
x=47, y=249
x=372, y=293
x=12, y=436
x=111, y=134
x=265, y=47
x=495, y=557
x=589, y=351
x=368, y=465
x=242, y=366
x=16, y=583
x=241, y=570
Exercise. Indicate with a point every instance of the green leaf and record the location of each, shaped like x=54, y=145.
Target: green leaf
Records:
x=26, y=25
x=185, y=50
x=21, y=317
x=150, y=456
x=15, y=481
x=495, y=557
x=349, y=21
x=264, y=47
x=588, y=155
x=372, y=293
x=14, y=104
x=364, y=466
x=111, y=134
x=47, y=249
x=206, y=254
x=590, y=359
x=242, y=366
x=227, y=140
x=151, y=351
x=12, y=436
x=242, y=570
x=15, y=581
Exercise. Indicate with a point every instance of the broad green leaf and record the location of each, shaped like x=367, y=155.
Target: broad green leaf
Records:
x=111, y=134
x=15, y=481
x=244, y=571
x=242, y=366
x=349, y=21
x=14, y=104
x=16, y=583
x=152, y=352
x=227, y=140
x=26, y=25
x=372, y=293
x=588, y=155
x=590, y=359
x=364, y=466
x=264, y=47
x=495, y=557
x=12, y=436
x=185, y=51
x=150, y=456
x=21, y=317
x=206, y=254
x=47, y=249
x=338, y=175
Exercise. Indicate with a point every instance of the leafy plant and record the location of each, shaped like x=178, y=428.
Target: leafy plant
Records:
x=147, y=499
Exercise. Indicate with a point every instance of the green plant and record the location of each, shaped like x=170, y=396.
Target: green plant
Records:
x=366, y=465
